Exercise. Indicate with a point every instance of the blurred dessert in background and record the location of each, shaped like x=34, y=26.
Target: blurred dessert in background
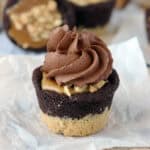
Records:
x=92, y=13
x=29, y=22
x=121, y=3
x=2, y=5
x=128, y=148
x=143, y=3
x=147, y=20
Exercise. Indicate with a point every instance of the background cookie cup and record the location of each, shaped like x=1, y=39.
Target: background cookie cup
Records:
x=92, y=13
x=28, y=22
x=77, y=115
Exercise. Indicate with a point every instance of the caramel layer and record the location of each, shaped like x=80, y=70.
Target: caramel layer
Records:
x=69, y=90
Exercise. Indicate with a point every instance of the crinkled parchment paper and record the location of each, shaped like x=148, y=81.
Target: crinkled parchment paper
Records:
x=129, y=123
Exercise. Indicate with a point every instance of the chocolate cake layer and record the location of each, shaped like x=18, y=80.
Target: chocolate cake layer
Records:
x=94, y=14
x=147, y=20
x=78, y=105
x=66, y=11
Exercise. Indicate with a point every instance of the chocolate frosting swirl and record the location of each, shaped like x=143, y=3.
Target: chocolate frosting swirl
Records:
x=76, y=58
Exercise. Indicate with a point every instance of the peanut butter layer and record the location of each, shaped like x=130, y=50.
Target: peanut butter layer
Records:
x=51, y=85
x=86, y=2
x=28, y=27
x=87, y=125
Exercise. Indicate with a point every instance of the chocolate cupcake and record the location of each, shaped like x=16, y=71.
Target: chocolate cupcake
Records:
x=92, y=13
x=147, y=20
x=29, y=22
x=76, y=83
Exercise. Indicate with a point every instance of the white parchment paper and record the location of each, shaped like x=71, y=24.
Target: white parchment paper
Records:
x=129, y=123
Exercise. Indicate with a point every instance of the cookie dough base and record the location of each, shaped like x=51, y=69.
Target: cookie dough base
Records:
x=87, y=125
